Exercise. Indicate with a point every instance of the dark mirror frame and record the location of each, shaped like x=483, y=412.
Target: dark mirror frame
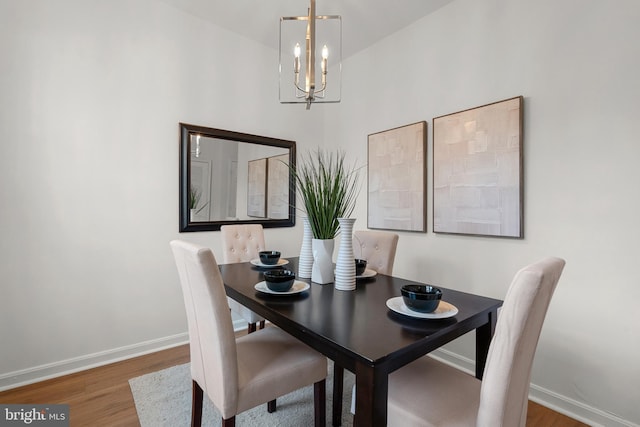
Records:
x=186, y=130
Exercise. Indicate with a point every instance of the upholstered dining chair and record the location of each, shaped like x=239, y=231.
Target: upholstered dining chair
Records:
x=238, y=374
x=243, y=243
x=429, y=393
x=377, y=247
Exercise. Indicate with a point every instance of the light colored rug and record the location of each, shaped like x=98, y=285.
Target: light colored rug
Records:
x=163, y=398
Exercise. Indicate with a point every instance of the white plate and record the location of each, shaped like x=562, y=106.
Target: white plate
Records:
x=444, y=310
x=367, y=273
x=280, y=263
x=298, y=286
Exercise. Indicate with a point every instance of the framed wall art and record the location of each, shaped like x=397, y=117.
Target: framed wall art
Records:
x=257, y=188
x=278, y=187
x=477, y=171
x=396, y=198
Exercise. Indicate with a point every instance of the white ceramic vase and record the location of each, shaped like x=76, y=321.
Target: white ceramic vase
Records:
x=305, y=262
x=322, y=271
x=345, y=264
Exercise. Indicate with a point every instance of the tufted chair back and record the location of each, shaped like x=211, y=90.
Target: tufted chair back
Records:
x=377, y=247
x=242, y=242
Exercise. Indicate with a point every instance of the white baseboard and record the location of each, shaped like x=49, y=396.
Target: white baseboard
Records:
x=577, y=410
x=562, y=404
x=76, y=364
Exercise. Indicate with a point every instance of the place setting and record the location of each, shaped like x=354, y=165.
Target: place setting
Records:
x=421, y=302
x=362, y=272
x=281, y=282
x=269, y=259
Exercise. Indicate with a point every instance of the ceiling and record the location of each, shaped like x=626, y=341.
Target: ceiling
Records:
x=364, y=22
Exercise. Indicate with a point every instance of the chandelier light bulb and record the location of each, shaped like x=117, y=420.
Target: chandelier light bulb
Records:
x=296, y=62
x=325, y=55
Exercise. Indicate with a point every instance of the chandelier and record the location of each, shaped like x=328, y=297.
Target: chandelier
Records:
x=306, y=89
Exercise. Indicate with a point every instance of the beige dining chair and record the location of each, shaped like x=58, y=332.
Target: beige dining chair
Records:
x=430, y=393
x=243, y=243
x=377, y=247
x=238, y=374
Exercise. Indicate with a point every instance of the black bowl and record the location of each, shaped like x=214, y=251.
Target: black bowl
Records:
x=361, y=266
x=279, y=280
x=421, y=298
x=269, y=257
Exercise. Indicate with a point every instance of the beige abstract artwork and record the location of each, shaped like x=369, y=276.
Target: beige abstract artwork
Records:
x=477, y=171
x=257, y=188
x=397, y=178
x=278, y=187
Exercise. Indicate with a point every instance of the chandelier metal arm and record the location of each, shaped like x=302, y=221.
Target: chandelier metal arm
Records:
x=310, y=92
x=311, y=50
x=319, y=93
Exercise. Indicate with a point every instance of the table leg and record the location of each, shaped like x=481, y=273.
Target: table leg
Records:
x=338, y=376
x=372, y=387
x=484, y=334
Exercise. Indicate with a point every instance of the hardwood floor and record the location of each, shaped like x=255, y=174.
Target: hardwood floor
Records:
x=99, y=396
x=102, y=397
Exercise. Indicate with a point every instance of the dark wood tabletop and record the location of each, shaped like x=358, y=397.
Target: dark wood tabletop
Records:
x=359, y=333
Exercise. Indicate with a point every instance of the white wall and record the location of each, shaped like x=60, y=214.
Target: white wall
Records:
x=91, y=96
x=576, y=63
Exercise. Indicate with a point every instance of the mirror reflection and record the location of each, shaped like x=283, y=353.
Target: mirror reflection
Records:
x=230, y=177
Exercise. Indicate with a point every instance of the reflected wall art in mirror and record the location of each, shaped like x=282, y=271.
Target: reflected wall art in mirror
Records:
x=234, y=178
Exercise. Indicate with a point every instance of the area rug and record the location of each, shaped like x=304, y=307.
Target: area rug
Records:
x=163, y=398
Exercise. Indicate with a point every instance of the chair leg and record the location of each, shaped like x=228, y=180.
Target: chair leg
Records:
x=338, y=376
x=271, y=406
x=262, y=324
x=319, y=403
x=229, y=422
x=251, y=328
x=197, y=397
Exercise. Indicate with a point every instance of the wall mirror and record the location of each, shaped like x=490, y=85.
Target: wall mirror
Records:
x=234, y=178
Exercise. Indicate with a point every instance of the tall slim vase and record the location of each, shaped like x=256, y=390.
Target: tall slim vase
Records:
x=322, y=271
x=305, y=262
x=345, y=264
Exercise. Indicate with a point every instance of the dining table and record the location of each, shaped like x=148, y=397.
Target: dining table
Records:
x=366, y=331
